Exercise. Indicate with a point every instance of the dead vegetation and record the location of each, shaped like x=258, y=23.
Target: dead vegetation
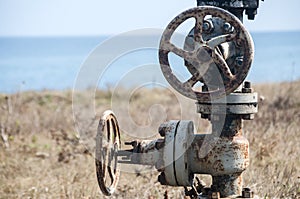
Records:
x=43, y=156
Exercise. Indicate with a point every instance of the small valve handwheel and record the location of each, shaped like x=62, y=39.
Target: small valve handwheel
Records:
x=107, y=145
x=206, y=52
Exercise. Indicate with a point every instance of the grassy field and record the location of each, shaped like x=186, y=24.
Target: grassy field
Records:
x=43, y=156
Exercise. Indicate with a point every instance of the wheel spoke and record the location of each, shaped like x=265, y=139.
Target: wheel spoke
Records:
x=108, y=127
x=112, y=164
x=111, y=174
x=104, y=162
x=178, y=51
x=198, y=28
x=111, y=132
x=212, y=43
x=201, y=69
x=222, y=65
x=192, y=81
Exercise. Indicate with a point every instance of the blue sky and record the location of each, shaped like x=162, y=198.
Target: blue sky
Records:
x=99, y=17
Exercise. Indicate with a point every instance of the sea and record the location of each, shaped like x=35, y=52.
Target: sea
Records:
x=60, y=63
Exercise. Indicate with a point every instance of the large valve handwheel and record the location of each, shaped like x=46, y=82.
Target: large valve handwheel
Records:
x=206, y=53
x=107, y=145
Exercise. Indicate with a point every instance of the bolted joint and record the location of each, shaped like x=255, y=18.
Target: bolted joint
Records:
x=204, y=88
x=132, y=143
x=239, y=61
x=247, y=84
x=251, y=12
x=248, y=117
x=247, y=193
x=247, y=87
x=162, y=129
x=207, y=26
x=227, y=27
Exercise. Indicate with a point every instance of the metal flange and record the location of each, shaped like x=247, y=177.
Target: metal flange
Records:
x=235, y=103
x=178, y=137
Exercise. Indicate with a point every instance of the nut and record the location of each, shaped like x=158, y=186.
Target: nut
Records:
x=227, y=27
x=247, y=87
x=215, y=195
x=247, y=193
x=207, y=26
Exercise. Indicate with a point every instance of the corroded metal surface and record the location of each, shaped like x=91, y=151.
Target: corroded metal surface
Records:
x=168, y=176
x=243, y=104
x=180, y=155
x=235, y=6
x=229, y=185
x=232, y=126
x=227, y=109
x=228, y=156
x=178, y=137
x=206, y=53
x=225, y=161
x=147, y=152
x=107, y=145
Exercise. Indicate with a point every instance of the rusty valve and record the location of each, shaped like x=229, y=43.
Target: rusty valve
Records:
x=107, y=145
x=218, y=53
x=206, y=53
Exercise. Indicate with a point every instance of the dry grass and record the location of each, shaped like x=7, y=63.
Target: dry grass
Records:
x=274, y=139
x=45, y=157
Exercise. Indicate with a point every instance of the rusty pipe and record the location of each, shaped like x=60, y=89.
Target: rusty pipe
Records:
x=144, y=152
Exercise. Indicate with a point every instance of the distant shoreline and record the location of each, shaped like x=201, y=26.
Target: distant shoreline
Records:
x=115, y=34
x=37, y=63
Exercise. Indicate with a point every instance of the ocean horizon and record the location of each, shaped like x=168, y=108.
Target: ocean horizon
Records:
x=53, y=63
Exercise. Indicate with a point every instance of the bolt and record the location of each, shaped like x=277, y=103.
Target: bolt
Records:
x=247, y=84
x=204, y=116
x=247, y=87
x=238, y=42
x=207, y=26
x=251, y=12
x=162, y=130
x=204, y=88
x=248, y=117
x=215, y=195
x=239, y=61
x=133, y=143
x=227, y=27
x=247, y=193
